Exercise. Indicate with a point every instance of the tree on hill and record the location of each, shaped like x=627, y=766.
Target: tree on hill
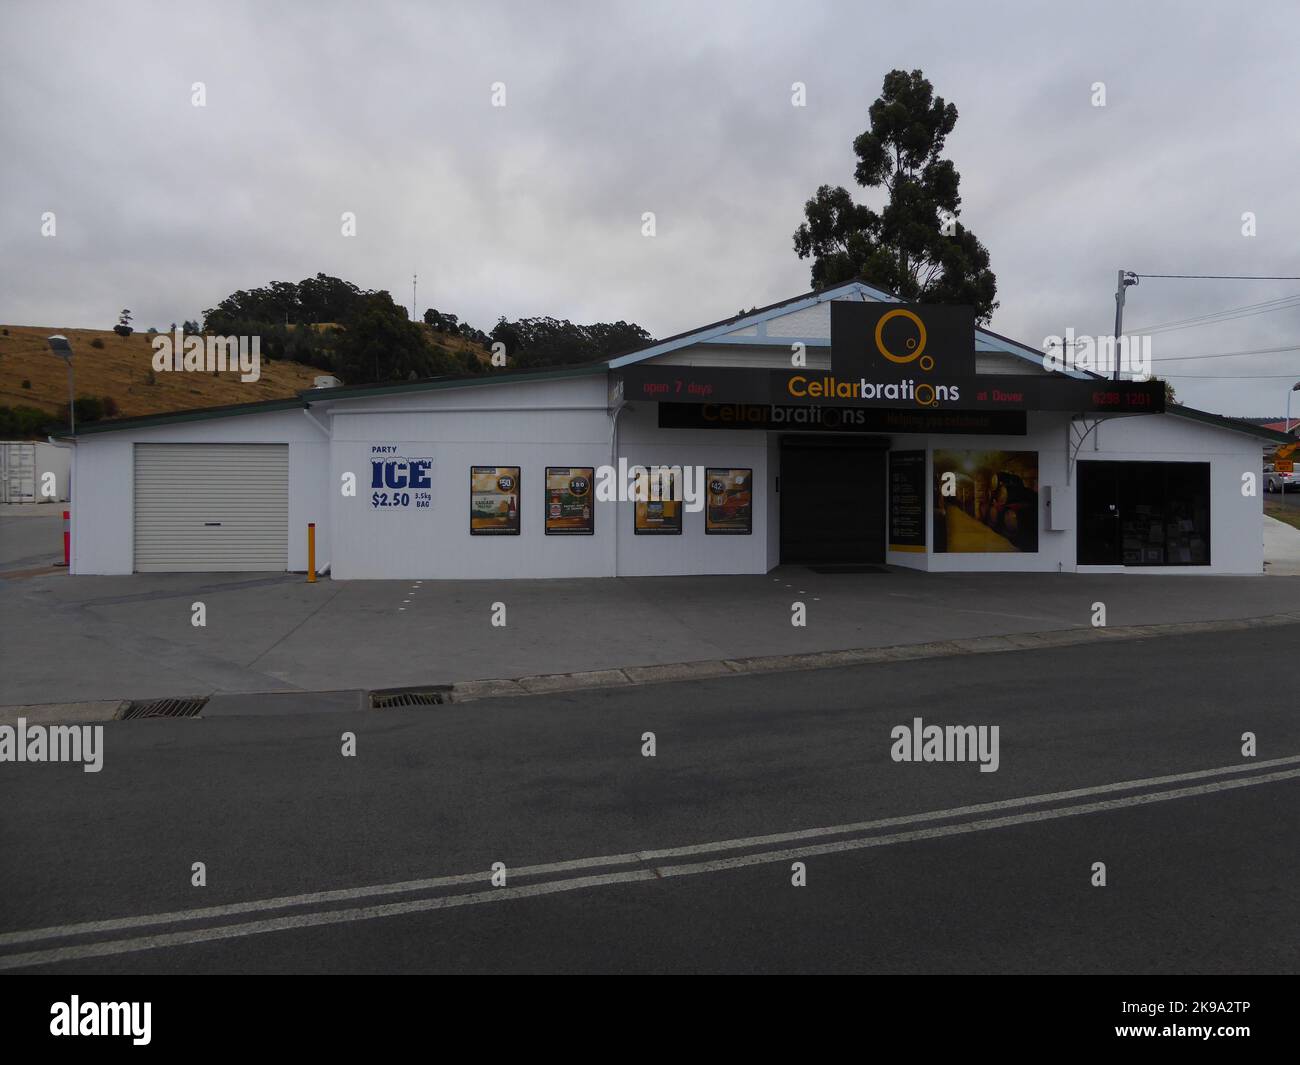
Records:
x=316, y=299
x=380, y=343
x=914, y=246
x=375, y=340
x=537, y=342
x=451, y=324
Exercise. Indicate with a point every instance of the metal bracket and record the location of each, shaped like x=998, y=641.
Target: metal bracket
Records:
x=1077, y=432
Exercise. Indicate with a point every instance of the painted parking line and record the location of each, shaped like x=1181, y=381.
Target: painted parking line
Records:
x=653, y=872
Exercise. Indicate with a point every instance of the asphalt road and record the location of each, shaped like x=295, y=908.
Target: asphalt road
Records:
x=1203, y=873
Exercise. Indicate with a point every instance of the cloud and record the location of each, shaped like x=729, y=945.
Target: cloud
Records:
x=614, y=109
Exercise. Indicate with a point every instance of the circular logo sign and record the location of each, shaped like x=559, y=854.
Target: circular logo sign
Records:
x=915, y=345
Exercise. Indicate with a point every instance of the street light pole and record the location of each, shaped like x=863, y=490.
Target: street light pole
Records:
x=60, y=347
x=1126, y=278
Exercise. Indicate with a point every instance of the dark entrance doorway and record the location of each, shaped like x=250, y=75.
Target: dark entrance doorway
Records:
x=832, y=500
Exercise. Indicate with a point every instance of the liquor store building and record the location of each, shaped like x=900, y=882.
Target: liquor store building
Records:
x=837, y=429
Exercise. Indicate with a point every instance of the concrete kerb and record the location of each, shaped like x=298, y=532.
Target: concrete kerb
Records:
x=468, y=691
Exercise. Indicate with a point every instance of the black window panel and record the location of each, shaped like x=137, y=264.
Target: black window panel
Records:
x=1144, y=513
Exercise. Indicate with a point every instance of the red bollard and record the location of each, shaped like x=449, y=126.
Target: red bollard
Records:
x=67, y=538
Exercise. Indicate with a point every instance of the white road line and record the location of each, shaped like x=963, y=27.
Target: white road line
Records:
x=118, y=924
x=331, y=917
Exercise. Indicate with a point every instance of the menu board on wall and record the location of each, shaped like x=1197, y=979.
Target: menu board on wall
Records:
x=730, y=506
x=494, y=500
x=907, y=501
x=657, y=510
x=569, y=510
x=985, y=501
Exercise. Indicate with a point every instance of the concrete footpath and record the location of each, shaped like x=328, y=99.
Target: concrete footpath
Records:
x=98, y=639
x=1281, y=548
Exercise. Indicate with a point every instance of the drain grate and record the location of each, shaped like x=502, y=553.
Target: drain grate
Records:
x=164, y=708
x=392, y=698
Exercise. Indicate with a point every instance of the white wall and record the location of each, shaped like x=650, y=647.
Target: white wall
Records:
x=642, y=442
x=551, y=423
x=103, y=483
x=545, y=423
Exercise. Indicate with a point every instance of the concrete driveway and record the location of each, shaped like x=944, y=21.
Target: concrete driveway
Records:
x=79, y=638
x=31, y=535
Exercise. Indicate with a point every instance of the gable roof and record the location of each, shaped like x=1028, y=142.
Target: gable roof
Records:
x=985, y=339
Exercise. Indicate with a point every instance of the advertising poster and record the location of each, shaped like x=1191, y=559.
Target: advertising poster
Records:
x=569, y=501
x=662, y=516
x=398, y=482
x=907, y=501
x=730, y=506
x=985, y=501
x=494, y=500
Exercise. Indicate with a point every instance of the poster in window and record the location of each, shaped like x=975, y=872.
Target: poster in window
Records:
x=907, y=501
x=494, y=500
x=569, y=501
x=985, y=501
x=730, y=506
x=658, y=506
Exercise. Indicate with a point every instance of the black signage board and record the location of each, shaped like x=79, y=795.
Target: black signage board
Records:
x=891, y=341
x=907, y=500
x=790, y=418
x=991, y=392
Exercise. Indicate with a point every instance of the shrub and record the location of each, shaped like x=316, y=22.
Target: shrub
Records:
x=110, y=407
x=27, y=384
x=25, y=421
x=88, y=408
x=97, y=343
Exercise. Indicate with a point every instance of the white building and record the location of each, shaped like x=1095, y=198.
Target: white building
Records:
x=1007, y=478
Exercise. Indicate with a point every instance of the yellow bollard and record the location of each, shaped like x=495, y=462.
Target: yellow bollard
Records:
x=311, y=552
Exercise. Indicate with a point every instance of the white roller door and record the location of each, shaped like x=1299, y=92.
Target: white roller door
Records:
x=211, y=507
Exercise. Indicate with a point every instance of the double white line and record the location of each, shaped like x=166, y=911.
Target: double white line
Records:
x=103, y=938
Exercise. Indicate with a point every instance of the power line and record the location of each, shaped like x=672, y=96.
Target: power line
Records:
x=1226, y=354
x=1229, y=314
x=1225, y=277
x=1235, y=376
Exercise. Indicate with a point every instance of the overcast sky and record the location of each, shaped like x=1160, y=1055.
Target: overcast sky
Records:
x=614, y=109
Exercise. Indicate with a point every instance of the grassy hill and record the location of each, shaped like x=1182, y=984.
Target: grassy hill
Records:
x=455, y=344
x=121, y=369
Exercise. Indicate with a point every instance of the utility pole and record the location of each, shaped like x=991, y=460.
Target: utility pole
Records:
x=414, y=315
x=1126, y=278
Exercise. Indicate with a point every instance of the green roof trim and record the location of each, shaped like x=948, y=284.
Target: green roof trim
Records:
x=434, y=384
x=144, y=421
x=1222, y=421
x=306, y=397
